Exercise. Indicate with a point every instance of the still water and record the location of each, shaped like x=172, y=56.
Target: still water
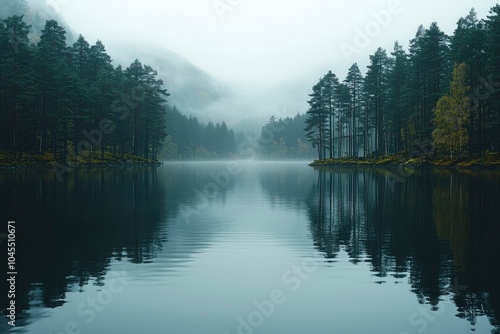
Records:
x=253, y=247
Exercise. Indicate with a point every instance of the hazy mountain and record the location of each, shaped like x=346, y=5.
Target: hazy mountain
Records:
x=12, y=7
x=36, y=13
x=192, y=90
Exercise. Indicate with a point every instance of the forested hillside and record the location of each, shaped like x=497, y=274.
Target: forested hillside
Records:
x=284, y=138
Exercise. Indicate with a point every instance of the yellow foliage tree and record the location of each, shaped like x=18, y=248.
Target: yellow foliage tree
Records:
x=451, y=116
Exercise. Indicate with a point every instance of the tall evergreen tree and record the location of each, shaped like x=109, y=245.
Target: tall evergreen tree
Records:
x=429, y=55
x=52, y=60
x=330, y=83
x=343, y=118
x=468, y=45
x=317, y=121
x=354, y=82
x=397, y=101
x=376, y=85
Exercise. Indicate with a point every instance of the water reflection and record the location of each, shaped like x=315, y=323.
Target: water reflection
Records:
x=69, y=232
x=436, y=229
x=435, y=233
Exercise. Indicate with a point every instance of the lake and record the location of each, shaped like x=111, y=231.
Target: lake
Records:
x=253, y=247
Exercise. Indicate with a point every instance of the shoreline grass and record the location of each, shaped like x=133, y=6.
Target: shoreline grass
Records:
x=47, y=160
x=488, y=161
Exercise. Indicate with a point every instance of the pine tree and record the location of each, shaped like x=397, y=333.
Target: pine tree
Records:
x=430, y=70
x=330, y=83
x=52, y=63
x=376, y=78
x=354, y=82
x=317, y=120
x=343, y=117
x=468, y=45
x=397, y=101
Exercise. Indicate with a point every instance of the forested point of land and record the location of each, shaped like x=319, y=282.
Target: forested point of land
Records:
x=437, y=103
x=69, y=104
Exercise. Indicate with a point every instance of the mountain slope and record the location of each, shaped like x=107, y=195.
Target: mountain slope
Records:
x=192, y=90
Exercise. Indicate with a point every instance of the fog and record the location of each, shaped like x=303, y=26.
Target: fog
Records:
x=261, y=56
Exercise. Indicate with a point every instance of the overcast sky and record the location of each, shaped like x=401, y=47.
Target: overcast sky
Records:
x=265, y=41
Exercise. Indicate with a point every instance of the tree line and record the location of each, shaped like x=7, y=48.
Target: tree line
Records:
x=284, y=138
x=442, y=97
x=70, y=99
x=190, y=139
